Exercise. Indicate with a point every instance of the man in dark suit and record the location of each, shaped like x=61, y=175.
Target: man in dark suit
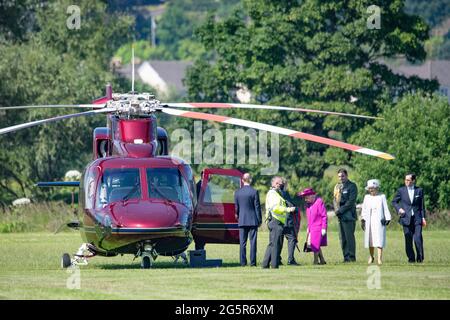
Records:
x=289, y=230
x=410, y=205
x=248, y=214
x=345, y=193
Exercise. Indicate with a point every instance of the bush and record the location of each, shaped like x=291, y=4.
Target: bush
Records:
x=47, y=216
x=416, y=131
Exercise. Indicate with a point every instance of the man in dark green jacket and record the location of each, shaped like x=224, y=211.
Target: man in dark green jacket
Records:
x=345, y=193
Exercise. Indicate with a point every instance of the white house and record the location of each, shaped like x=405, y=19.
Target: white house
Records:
x=431, y=69
x=164, y=76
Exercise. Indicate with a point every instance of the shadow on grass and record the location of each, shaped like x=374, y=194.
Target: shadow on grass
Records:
x=160, y=265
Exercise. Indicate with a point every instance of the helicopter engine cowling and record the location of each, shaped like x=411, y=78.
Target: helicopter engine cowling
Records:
x=135, y=137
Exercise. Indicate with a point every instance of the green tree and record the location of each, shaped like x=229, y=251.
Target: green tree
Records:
x=314, y=54
x=16, y=19
x=55, y=65
x=417, y=133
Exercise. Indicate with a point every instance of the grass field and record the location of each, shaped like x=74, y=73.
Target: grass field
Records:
x=29, y=269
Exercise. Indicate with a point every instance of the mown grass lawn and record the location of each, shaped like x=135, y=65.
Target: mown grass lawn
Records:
x=30, y=269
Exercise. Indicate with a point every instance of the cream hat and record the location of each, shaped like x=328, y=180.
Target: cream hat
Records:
x=373, y=183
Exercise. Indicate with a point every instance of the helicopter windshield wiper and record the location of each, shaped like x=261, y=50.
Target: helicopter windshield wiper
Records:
x=160, y=193
x=131, y=192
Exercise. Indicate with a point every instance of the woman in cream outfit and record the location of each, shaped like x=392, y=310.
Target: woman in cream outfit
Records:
x=375, y=217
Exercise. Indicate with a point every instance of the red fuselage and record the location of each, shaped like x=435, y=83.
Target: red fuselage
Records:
x=133, y=195
x=122, y=225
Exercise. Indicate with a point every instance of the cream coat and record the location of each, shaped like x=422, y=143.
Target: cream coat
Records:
x=374, y=209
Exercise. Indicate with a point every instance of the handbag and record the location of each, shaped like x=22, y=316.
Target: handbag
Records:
x=306, y=246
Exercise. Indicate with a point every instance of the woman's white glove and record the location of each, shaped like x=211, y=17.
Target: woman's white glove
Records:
x=324, y=232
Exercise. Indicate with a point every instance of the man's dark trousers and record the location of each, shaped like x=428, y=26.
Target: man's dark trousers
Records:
x=289, y=233
x=273, y=250
x=244, y=233
x=347, y=237
x=413, y=232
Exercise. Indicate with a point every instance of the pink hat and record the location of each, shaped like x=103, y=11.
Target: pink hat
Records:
x=306, y=192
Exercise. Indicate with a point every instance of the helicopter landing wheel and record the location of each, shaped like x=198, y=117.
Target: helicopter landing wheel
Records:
x=147, y=260
x=66, y=261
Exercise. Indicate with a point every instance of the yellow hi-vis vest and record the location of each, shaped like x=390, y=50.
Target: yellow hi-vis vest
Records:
x=276, y=206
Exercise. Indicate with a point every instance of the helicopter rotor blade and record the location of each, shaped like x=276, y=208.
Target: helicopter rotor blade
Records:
x=213, y=105
x=83, y=106
x=275, y=129
x=43, y=121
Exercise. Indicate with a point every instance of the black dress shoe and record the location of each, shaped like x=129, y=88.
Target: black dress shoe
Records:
x=411, y=261
x=293, y=263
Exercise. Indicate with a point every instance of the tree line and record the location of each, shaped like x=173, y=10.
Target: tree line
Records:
x=292, y=53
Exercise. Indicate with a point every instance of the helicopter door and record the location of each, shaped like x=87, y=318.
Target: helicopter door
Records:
x=214, y=217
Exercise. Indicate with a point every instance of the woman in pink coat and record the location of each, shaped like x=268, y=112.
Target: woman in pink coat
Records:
x=316, y=214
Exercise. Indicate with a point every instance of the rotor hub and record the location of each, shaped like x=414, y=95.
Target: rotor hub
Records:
x=129, y=104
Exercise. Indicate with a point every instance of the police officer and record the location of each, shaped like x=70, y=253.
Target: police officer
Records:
x=276, y=213
x=345, y=193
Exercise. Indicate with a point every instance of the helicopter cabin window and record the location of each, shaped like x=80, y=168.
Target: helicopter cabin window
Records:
x=220, y=189
x=118, y=185
x=169, y=184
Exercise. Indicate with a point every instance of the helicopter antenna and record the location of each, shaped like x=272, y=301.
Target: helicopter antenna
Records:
x=132, y=68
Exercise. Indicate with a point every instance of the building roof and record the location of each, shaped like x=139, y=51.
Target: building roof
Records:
x=431, y=69
x=172, y=72
x=163, y=74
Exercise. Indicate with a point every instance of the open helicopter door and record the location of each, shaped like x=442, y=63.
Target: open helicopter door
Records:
x=214, y=217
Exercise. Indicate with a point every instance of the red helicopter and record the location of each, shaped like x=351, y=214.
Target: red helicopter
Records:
x=134, y=198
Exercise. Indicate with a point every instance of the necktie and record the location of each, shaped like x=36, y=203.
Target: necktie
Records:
x=411, y=197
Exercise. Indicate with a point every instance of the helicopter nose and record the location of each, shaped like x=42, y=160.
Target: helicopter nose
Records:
x=145, y=214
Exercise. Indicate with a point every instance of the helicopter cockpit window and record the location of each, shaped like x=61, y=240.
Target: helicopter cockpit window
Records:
x=118, y=185
x=169, y=184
